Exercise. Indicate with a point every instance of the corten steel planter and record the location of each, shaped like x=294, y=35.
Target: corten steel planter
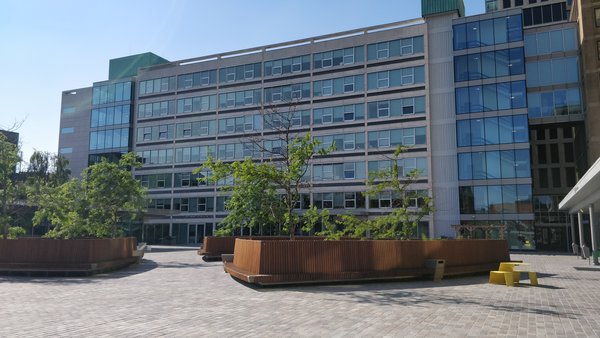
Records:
x=267, y=262
x=214, y=247
x=44, y=256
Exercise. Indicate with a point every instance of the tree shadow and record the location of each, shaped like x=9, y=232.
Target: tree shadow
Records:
x=144, y=266
x=414, y=292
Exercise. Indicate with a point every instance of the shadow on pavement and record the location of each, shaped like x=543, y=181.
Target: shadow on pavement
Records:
x=165, y=248
x=144, y=266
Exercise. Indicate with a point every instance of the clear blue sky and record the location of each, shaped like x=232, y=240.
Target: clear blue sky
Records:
x=51, y=46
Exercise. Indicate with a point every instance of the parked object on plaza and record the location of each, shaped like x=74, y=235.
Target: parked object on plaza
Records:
x=269, y=262
x=67, y=257
x=509, y=273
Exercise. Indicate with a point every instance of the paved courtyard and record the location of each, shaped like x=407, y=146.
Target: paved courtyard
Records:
x=176, y=294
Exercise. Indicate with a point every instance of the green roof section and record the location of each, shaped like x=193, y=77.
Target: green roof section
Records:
x=433, y=7
x=128, y=66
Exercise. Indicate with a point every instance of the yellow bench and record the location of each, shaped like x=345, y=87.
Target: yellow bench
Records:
x=507, y=274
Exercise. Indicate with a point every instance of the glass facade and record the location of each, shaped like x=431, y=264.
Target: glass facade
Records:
x=488, y=32
x=490, y=116
x=491, y=97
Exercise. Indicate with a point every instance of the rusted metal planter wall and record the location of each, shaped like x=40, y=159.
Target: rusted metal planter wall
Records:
x=217, y=246
x=42, y=250
x=65, y=257
x=276, y=261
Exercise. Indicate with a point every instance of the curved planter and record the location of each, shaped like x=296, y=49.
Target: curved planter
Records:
x=278, y=262
x=43, y=256
x=215, y=246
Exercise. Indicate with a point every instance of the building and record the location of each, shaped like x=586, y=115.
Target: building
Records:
x=499, y=139
x=11, y=136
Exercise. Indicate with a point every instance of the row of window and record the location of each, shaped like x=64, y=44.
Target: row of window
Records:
x=494, y=165
x=492, y=130
x=109, y=139
x=287, y=66
x=488, y=32
x=160, y=85
x=405, y=166
x=178, y=180
x=337, y=86
x=155, y=133
x=554, y=102
x=249, y=123
x=352, y=112
x=491, y=97
x=338, y=171
x=397, y=107
x=395, y=137
x=198, y=79
x=545, y=14
x=497, y=63
x=333, y=58
x=239, y=73
x=240, y=99
x=564, y=70
x=396, y=78
x=320, y=172
x=395, y=48
x=348, y=84
x=325, y=200
x=548, y=42
x=495, y=199
x=338, y=57
x=343, y=142
x=156, y=109
x=114, y=92
x=110, y=116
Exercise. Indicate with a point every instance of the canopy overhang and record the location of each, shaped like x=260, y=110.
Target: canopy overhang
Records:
x=585, y=193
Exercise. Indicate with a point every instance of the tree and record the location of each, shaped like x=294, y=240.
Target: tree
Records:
x=253, y=202
x=287, y=154
x=409, y=206
x=106, y=195
x=9, y=188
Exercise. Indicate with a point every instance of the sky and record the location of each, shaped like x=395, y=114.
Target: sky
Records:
x=48, y=47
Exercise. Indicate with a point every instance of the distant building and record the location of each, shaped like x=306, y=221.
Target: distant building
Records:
x=491, y=105
x=11, y=136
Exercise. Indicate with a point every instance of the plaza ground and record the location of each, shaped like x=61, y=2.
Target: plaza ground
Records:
x=174, y=293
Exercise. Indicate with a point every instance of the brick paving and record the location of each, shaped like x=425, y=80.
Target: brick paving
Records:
x=176, y=294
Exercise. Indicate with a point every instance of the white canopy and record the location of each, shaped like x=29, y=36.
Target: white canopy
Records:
x=585, y=193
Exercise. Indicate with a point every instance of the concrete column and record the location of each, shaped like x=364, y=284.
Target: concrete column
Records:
x=593, y=231
x=581, y=242
x=572, y=219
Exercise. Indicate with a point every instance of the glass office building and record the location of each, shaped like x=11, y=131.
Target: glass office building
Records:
x=470, y=97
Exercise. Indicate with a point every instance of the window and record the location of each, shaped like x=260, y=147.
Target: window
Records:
x=349, y=113
x=350, y=200
x=349, y=84
x=327, y=87
x=383, y=80
x=349, y=171
x=349, y=142
x=348, y=56
x=383, y=109
x=597, y=16
x=383, y=139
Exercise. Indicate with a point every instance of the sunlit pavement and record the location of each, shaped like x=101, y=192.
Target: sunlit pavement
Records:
x=174, y=293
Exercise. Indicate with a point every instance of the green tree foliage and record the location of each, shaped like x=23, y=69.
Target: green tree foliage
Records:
x=106, y=195
x=274, y=184
x=9, y=188
x=253, y=201
x=402, y=221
